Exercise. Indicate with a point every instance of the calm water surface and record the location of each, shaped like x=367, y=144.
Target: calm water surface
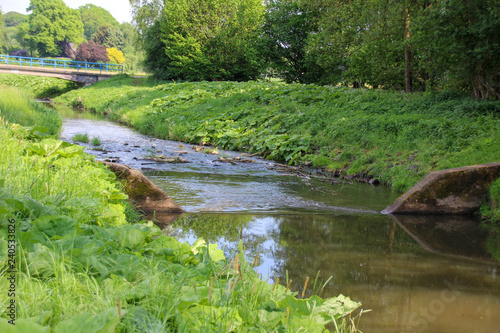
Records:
x=416, y=274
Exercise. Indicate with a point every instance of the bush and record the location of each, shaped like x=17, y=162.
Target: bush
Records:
x=20, y=53
x=115, y=55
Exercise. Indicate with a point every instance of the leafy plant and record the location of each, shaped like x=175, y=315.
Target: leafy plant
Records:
x=81, y=137
x=95, y=141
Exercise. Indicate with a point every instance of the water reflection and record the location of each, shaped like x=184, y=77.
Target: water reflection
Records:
x=371, y=258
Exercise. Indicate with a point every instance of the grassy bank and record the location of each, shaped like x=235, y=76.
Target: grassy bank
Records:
x=72, y=261
x=395, y=137
x=41, y=87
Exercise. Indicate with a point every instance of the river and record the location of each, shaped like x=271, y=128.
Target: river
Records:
x=415, y=274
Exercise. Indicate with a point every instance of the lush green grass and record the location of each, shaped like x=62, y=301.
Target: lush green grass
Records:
x=393, y=136
x=40, y=86
x=82, y=267
x=18, y=106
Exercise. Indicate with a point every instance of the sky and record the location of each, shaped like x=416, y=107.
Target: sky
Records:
x=120, y=9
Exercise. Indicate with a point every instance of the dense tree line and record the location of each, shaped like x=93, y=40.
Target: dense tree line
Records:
x=415, y=45
x=412, y=45
x=54, y=30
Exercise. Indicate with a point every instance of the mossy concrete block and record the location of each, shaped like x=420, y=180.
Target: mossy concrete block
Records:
x=143, y=192
x=451, y=191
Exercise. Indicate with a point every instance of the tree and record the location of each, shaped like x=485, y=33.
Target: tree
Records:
x=13, y=19
x=3, y=34
x=93, y=17
x=92, y=52
x=286, y=30
x=50, y=23
x=145, y=13
x=207, y=40
x=108, y=36
x=131, y=47
x=460, y=49
x=115, y=55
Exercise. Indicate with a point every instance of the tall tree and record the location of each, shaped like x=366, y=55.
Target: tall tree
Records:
x=109, y=36
x=208, y=40
x=50, y=23
x=93, y=17
x=460, y=39
x=287, y=27
x=3, y=34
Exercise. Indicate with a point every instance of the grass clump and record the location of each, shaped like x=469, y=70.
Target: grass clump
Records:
x=81, y=137
x=393, y=136
x=95, y=141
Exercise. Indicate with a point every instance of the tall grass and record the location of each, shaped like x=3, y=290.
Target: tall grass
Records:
x=18, y=106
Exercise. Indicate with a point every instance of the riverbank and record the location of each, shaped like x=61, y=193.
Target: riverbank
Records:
x=75, y=258
x=394, y=137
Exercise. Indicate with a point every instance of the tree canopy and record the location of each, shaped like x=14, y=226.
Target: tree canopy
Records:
x=93, y=17
x=50, y=23
x=206, y=40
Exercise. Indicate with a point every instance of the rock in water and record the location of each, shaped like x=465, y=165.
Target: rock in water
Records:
x=143, y=192
x=451, y=191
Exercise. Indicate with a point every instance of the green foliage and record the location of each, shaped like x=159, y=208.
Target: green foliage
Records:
x=39, y=86
x=81, y=268
x=17, y=106
x=396, y=137
x=457, y=40
x=10, y=40
x=207, y=40
x=95, y=141
x=109, y=36
x=3, y=33
x=13, y=19
x=93, y=17
x=286, y=30
x=50, y=23
x=81, y=138
x=491, y=209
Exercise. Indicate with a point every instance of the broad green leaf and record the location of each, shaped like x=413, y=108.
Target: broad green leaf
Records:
x=54, y=225
x=104, y=322
x=22, y=326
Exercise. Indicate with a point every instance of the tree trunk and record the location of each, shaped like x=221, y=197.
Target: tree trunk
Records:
x=408, y=84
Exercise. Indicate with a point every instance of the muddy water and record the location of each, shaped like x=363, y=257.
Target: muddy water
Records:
x=416, y=274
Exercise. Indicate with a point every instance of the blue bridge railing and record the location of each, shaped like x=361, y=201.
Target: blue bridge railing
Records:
x=61, y=64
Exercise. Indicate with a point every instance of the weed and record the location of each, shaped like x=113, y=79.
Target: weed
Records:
x=81, y=138
x=95, y=141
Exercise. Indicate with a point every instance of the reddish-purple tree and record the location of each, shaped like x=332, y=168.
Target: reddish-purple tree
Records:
x=91, y=52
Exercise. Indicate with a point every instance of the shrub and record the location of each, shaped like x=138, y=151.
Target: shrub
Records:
x=20, y=53
x=115, y=55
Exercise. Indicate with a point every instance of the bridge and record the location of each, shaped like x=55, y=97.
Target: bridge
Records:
x=77, y=71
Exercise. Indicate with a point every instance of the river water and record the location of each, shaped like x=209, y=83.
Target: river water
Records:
x=415, y=274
